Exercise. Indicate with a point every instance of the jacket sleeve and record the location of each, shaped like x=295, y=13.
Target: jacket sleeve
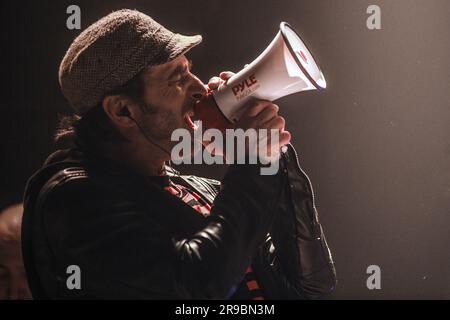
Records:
x=123, y=251
x=300, y=255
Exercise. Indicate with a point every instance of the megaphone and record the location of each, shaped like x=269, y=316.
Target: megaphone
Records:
x=286, y=66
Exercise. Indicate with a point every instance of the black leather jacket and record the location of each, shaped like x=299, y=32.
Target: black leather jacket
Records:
x=132, y=239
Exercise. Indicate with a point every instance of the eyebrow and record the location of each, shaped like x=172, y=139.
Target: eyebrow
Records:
x=180, y=69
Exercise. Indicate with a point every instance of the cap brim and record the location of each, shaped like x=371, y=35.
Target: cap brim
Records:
x=180, y=44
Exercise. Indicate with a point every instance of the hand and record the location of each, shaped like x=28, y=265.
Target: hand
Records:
x=259, y=114
x=254, y=116
x=215, y=82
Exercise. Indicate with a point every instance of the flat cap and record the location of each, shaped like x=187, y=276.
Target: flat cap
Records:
x=112, y=51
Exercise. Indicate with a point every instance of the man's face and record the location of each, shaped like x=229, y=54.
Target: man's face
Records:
x=13, y=281
x=170, y=93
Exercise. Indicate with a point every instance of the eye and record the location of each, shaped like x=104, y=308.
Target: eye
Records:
x=180, y=80
x=183, y=79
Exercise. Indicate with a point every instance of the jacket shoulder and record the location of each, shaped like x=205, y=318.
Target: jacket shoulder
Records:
x=64, y=179
x=73, y=188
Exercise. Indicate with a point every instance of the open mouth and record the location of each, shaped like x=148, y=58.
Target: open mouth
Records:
x=189, y=118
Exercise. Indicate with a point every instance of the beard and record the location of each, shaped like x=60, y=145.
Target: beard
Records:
x=159, y=123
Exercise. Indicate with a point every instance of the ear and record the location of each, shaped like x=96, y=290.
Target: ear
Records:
x=113, y=106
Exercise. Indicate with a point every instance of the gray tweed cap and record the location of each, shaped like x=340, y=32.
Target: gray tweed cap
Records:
x=112, y=51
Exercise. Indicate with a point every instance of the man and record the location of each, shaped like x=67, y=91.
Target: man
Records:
x=132, y=226
x=13, y=281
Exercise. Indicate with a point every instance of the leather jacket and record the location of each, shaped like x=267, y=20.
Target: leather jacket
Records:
x=132, y=239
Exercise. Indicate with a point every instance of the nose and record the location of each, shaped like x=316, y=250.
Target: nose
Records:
x=197, y=88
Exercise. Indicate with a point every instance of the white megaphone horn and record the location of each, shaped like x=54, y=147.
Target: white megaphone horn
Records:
x=286, y=66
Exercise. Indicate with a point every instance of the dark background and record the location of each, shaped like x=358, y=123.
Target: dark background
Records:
x=375, y=143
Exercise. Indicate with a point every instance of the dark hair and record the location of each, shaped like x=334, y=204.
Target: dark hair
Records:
x=94, y=127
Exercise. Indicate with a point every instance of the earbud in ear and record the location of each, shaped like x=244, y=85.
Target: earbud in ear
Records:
x=125, y=112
